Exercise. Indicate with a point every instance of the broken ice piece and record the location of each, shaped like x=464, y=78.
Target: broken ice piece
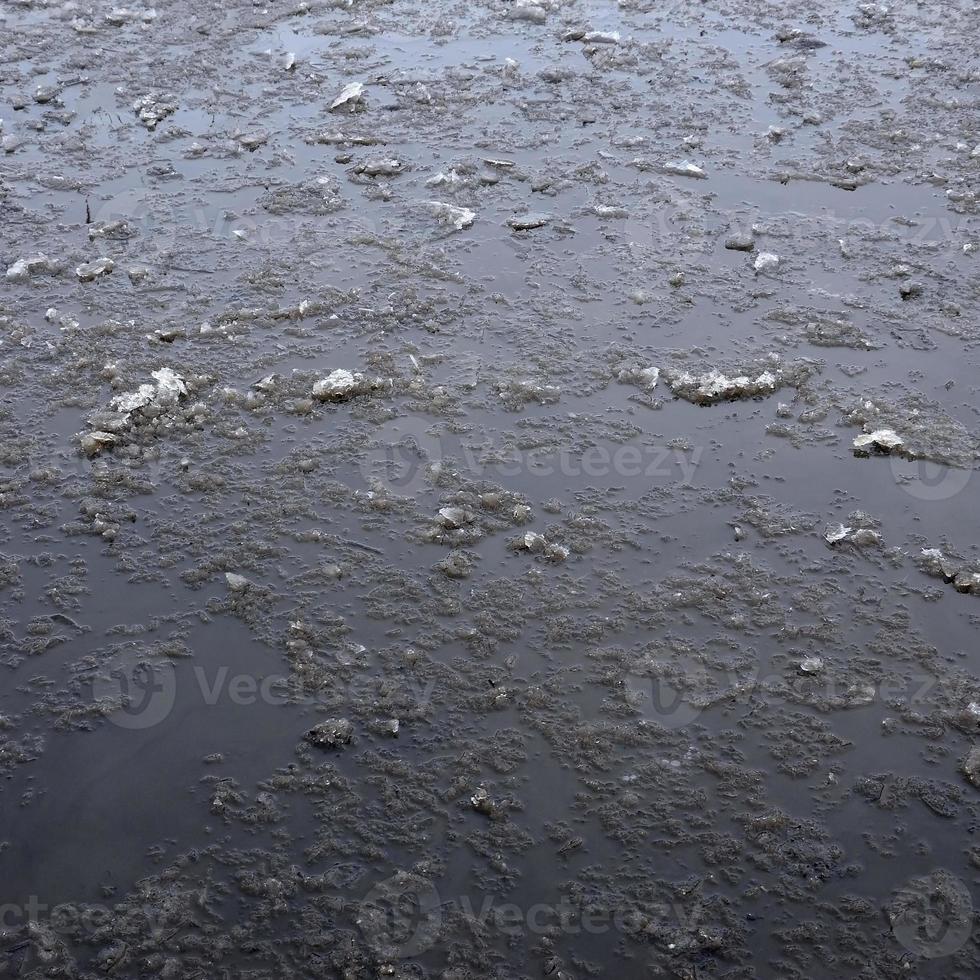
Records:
x=713, y=386
x=331, y=734
x=93, y=443
x=811, y=665
x=766, y=262
x=685, y=169
x=23, y=269
x=449, y=214
x=350, y=95
x=882, y=441
x=237, y=583
x=454, y=517
x=863, y=537
x=167, y=391
x=151, y=110
x=967, y=582
x=971, y=766
x=642, y=377
x=341, y=384
x=527, y=222
x=88, y=271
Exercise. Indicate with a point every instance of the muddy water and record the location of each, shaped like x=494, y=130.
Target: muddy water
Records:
x=624, y=662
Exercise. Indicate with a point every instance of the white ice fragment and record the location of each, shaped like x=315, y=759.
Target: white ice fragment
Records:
x=713, y=386
x=88, y=271
x=766, y=262
x=454, y=517
x=350, y=95
x=23, y=269
x=342, y=384
x=883, y=441
x=237, y=583
x=338, y=384
x=685, y=168
x=449, y=214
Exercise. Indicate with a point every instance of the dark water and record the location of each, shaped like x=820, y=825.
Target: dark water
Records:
x=650, y=721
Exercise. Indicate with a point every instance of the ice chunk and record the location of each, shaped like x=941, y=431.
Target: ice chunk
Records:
x=151, y=109
x=23, y=269
x=449, y=214
x=883, y=441
x=237, y=583
x=862, y=537
x=350, y=95
x=88, y=271
x=334, y=733
x=766, y=262
x=714, y=386
x=527, y=222
x=684, y=168
x=454, y=517
x=342, y=384
x=93, y=443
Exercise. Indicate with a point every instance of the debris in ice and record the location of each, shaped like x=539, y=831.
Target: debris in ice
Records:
x=454, y=517
x=237, y=583
x=148, y=402
x=380, y=167
x=684, y=168
x=881, y=441
x=341, y=384
x=713, y=386
x=518, y=392
x=449, y=179
x=119, y=16
x=151, y=110
x=88, y=271
x=591, y=37
x=251, y=141
x=861, y=537
x=118, y=230
x=742, y=241
x=334, y=733
x=538, y=544
x=93, y=443
x=530, y=10
x=953, y=571
x=167, y=391
x=449, y=214
x=350, y=95
x=23, y=269
x=642, y=377
x=971, y=766
x=527, y=222
x=766, y=262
